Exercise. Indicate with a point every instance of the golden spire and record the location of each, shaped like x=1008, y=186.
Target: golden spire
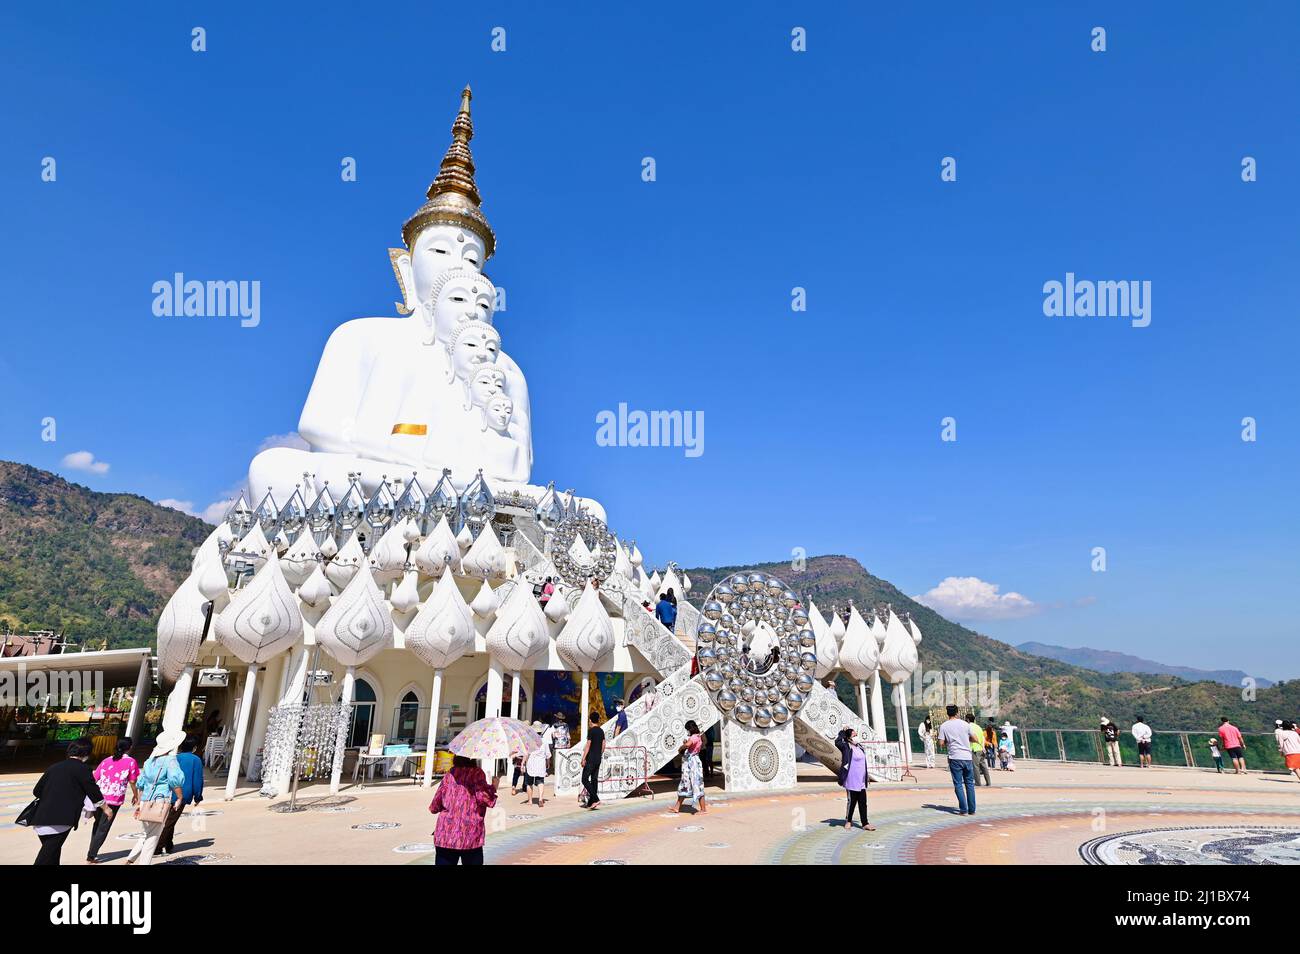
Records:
x=453, y=197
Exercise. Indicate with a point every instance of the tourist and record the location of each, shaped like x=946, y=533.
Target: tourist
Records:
x=977, y=751
x=1216, y=755
x=1110, y=741
x=853, y=776
x=926, y=731
x=591, y=755
x=462, y=799
x=620, y=719
x=954, y=737
x=1289, y=746
x=991, y=745
x=517, y=774
x=1005, y=754
x=671, y=597
x=1277, y=732
x=114, y=775
x=1142, y=736
x=706, y=754
x=63, y=793
x=1233, y=744
x=191, y=794
x=162, y=781
x=548, y=589
x=535, y=769
x=691, y=784
x=666, y=612
x=560, y=738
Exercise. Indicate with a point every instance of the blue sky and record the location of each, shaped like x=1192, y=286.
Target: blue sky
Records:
x=775, y=169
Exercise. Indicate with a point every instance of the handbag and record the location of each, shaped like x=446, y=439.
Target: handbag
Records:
x=27, y=814
x=156, y=810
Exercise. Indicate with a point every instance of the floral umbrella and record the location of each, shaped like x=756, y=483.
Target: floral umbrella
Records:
x=496, y=738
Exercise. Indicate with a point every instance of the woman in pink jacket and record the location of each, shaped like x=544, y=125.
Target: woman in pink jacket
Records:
x=462, y=799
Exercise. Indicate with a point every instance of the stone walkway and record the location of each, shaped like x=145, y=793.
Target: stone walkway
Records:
x=1041, y=814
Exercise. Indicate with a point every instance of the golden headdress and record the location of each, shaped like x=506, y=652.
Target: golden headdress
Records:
x=453, y=197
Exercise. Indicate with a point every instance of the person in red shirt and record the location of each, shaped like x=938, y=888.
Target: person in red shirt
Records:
x=1233, y=744
x=462, y=799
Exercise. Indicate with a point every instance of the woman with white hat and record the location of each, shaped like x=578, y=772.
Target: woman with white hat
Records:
x=161, y=783
x=535, y=770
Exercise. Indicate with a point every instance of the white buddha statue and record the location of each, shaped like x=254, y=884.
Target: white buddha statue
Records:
x=396, y=395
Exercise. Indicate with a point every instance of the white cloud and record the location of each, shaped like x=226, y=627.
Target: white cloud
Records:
x=184, y=506
x=969, y=597
x=215, y=511
x=292, y=439
x=85, y=460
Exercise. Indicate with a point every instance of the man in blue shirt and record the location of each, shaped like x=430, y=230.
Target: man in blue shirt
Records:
x=666, y=612
x=191, y=793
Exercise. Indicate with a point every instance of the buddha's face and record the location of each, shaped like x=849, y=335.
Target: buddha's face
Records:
x=498, y=413
x=440, y=247
x=474, y=347
x=463, y=298
x=486, y=384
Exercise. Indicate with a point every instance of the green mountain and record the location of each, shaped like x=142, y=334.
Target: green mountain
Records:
x=98, y=567
x=1033, y=691
x=1106, y=660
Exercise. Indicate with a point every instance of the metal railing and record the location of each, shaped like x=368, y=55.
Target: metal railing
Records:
x=1172, y=749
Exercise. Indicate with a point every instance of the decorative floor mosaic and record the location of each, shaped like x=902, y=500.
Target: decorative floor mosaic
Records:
x=1064, y=824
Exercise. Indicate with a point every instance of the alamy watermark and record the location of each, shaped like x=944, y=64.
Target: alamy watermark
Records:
x=624, y=428
x=19, y=687
x=211, y=299
x=1083, y=298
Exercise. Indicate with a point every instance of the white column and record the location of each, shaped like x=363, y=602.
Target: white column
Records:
x=294, y=682
x=265, y=701
x=877, y=705
x=241, y=732
x=586, y=705
x=345, y=698
x=862, y=700
x=495, y=689
x=435, y=703
x=178, y=701
x=136, y=721
x=514, y=695
x=900, y=709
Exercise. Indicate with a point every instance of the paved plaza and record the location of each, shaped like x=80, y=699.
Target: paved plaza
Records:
x=1041, y=814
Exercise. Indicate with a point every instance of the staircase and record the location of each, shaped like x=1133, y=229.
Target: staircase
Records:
x=656, y=720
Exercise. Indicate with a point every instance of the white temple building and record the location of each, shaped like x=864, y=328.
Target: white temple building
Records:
x=386, y=583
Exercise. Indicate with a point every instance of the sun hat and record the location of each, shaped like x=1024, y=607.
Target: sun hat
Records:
x=168, y=742
x=537, y=726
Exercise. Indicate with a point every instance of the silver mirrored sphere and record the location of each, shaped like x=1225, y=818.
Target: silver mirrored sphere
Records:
x=723, y=593
x=743, y=713
x=780, y=714
x=804, y=683
x=713, y=609
x=762, y=717
x=794, y=701
x=726, y=700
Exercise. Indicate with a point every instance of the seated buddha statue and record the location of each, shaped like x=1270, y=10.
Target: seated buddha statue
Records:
x=392, y=396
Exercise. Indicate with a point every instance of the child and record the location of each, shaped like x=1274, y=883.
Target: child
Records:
x=1005, y=755
x=1217, y=755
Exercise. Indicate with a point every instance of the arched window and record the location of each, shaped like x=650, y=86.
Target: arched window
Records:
x=363, y=714
x=480, y=699
x=406, y=726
